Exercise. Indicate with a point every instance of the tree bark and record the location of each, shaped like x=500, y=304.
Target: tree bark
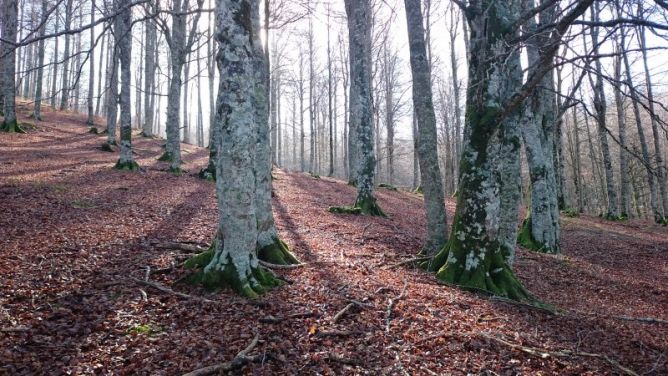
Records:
x=427, y=148
x=9, y=32
x=37, y=113
x=123, y=27
x=65, y=95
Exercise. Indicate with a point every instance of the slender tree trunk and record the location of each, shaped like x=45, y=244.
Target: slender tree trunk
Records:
x=624, y=173
x=123, y=26
x=427, y=148
x=91, y=73
x=99, y=80
x=149, y=76
x=37, y=109
x=65, y=97
x=54, y=61
x=112, y=93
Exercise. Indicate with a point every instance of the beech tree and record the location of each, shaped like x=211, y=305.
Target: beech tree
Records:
x=8, y=56
x=122, y=29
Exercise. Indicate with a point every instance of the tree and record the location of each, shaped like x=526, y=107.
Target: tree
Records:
x=91, y=73
x=65, y=97
x=180, y=46
x=122, y=32
x=426, y=123
x=233, y=261
x=8, y=55
x=149, y=73
x=360, y=114
x=474, y=256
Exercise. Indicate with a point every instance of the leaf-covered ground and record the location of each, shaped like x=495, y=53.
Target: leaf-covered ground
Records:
x=76, y=236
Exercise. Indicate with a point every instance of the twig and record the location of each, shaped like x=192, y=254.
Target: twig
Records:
x=275, y=320
x=15, y=329
x=166, y=289
x=341, y=312
x=364, y=232
x=180, y=247
x=651, y=320
x=542, y=353
x=409, y=261
x=148, y=272
x=239, y=360
x=391, y=304
x=336, y=333
x=277, y=266
x=342, y=360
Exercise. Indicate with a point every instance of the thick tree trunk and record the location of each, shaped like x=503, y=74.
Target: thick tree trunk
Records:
x=624, y=172
x=235, y=262
x=9, y=31
x=427, y=148
x=123, y=26
x=474, y=256
x=91, y=67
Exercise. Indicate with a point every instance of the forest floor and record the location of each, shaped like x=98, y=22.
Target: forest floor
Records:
x=77, y=238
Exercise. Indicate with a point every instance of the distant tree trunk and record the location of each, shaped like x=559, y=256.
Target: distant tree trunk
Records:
x=54, y=62
x=209, y=172
x=329, y=100
x=661, y=174
x=302, y=136
x=601, y=109
x=389, y=113
x=122, y=30
x=624, y=172
x=361, y=116
x=346, y=126
x=37, y=109
x=91, y=73
x=186, y=109
x=456, y=94
x=149, y=75
x=112, y=93
x=99, y=80
x=234, y=261
x=200, y=114
x=577, y=168
x=427, y=148
x=416, y=165
x=312, y=101
x=9, y=26
x=65, y=97
x=77, y=66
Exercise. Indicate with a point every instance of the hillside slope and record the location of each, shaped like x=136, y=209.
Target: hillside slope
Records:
x=77, y=238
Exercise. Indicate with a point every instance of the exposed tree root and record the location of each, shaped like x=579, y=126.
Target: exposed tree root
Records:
x=181, y=247
x=126, y=166
x=526, y=240
x=388, y=186
x=345, y=210
x=409, y=261
x=275, y=320
x=207, y=173
x=277, y=253
x=281, y=266
x=11, y=127
x=342, y=312
x=239, y=360
x=108, y=147
x=391, y=304
x=93, y=130
x=166, y=157
x=369, y=206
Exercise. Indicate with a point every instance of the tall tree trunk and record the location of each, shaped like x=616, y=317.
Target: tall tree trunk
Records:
x=112, y=93
x=65, y=97
x=437, y=233
x=361, y=116
x=9, y=31
x=99, y=80
x=37, y=109
x=149, y=75
x=661, y=175
x=601, y=108
x=91, y=73
x=540, y=230
x=54, y=62
x=235, y=261
x=624, y=172
x=122, y=30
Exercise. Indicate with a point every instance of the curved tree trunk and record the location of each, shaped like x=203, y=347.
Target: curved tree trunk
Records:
x=427, y=148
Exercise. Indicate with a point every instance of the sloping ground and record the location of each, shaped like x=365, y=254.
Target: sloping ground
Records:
x=74, y=232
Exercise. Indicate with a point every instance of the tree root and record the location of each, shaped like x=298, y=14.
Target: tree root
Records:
x=345, y=210
x=107, y=147
x=409, y=261
x=126, y=166
x=239, y=360
x=277, y=253
x=93, y=130
x=275, y=320
x=390, y=306
x=166, y=157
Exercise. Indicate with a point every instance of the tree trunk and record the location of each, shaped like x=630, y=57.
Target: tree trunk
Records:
x=361, y=116
x=437, y=233
x=624, y=173
x=65, y=97
x=235, y=262
x=37, y=113
x=122, y=31
x=91, y=73
x=112, y=94
x=9, y=26
x=149, y=76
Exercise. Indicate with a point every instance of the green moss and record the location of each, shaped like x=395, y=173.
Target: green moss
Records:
x=419, y=190
x=200, y=260
x=369, y=206
x=251, y=286
x=166, y=157
x=345, y=210
x=352, y=183
x=93, y=130
x=570, y=213
x=126, y=166
x=175, y=170
x=108, y=147
x=207, y=173
x=314, y=175
x=524, y=237
x=11, y=127
x=277, y=253
x=388, y=186
x=142, y=329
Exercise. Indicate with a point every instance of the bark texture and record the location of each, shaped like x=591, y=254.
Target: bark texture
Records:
x=122, y=28
x=9, y=32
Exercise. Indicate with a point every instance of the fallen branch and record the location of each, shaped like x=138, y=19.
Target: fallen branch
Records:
x=239, y=360
x=342, y=360
x=277, y=266
x=179, y=247
x=651, y=320
x=167, y=290
x=15, y=329
x=336, y=333
x=542, y=353
x=342, y=312
x=391, y=304
x=275, y=320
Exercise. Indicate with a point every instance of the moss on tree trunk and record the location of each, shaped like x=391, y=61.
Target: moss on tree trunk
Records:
x=11, y=127
x=277, y=253
x=126, y=166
